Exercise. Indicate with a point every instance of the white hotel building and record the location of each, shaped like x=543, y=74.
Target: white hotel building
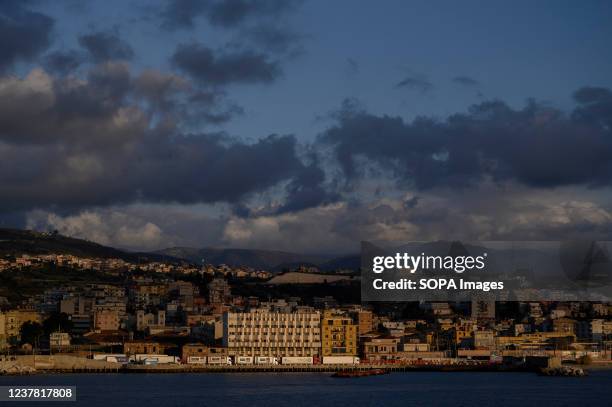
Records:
x=262, y=332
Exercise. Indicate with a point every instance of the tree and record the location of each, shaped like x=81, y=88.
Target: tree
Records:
x=57, y=322
x=31, y=332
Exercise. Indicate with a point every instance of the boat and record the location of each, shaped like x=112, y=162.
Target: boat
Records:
x=359, y=373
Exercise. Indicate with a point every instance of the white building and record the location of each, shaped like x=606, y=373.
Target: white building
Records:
x=262, y=332
x=59, y=340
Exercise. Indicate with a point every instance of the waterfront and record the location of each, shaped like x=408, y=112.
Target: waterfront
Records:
x=319, y=389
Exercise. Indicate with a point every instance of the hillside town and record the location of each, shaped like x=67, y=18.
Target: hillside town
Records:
x=163, y=313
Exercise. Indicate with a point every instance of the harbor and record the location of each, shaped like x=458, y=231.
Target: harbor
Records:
x=62, y=364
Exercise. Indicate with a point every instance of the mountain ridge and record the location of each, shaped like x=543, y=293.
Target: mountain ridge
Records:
x=21, y=241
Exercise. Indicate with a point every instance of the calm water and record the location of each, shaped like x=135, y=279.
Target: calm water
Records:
x=314, y=389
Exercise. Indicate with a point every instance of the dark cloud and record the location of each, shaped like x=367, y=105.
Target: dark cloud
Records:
x=105, y=46
x=25, y=33
x=466, y=81
x=307, y=190
x=166, y=93
x=537, y=145
x=223, y=67
x=63, y=62
x=92, y=143
x=224, y=13
x=418, y=83
x=595, y=106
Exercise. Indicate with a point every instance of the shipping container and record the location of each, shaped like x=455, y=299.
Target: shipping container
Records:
x=266, y=360
x=219, y=360
x=106, y=356
x=297, y=360
x=243, y=360
x=340, y=360
x=138, y=358
x=196, y=360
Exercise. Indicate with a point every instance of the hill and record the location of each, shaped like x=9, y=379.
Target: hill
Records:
x=15, y=242
x=260, y=259
x=306, y=278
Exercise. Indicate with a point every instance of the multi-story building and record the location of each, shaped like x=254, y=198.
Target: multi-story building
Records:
x=262, y=332
x=532, y=341
x=106, y=320
x=483, y=309
x=199, y=350
x=11, y=321
x=150, y=320
x=364, y=321
x=3, y=337
x=377, y=349
x=564, y=325
x=338, y=335
x=464, y=332
x=58, y=340
x=138, y=347
x=601, y=330
x=484, y=339
x=219, y=291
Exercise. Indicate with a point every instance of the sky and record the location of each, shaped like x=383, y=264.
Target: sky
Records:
x=306, y=126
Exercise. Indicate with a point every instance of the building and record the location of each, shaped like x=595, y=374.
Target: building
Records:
x=219, y=291
x=378, y=349
x=140, y=347
x=81, y=323
x=564, y=325
x=415, y=347
x=262, y=332
x=532, y=341
x=58, y=340
x=483, y=309
x=484, y=340
x=150, y=320
x=338, y=335
x=364, y=321
x=601, y=330
x=11, y=321
x=3, y=336
x=199, y=350
x=464, y=332
x=106, y=320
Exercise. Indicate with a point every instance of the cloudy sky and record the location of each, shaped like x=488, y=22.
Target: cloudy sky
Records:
x=306, y=125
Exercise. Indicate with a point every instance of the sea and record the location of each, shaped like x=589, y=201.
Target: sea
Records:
x=320, y=389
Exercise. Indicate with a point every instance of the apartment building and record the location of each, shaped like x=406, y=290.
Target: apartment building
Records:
x=364, y=321
x=338, y=335
x=106, y=320
x=150, y=320
x=264, y=332
x=11, y=321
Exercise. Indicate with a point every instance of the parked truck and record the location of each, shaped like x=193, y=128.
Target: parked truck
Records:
x=108, y=357
x=266, y=360
x=219, y=360
x=160, y=359
x=340, y=360
x=297, y=360
x=243, y=360
x=196, y=360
